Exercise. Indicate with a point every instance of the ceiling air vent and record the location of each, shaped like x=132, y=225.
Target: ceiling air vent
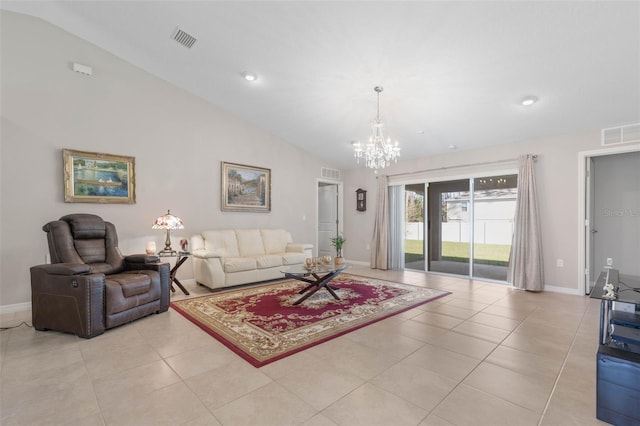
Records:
x=183, y=38
x=330, y=173
x=620, y=135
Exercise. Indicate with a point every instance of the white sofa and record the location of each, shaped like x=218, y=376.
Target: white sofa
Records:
x=227, y=257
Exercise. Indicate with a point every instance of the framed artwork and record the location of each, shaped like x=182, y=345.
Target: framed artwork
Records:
x=245, y=188
x=91, y=177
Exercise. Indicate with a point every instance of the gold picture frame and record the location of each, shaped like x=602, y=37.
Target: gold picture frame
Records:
x=92, y=177
x=245, y=188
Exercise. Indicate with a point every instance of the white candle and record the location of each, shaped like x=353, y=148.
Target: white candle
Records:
x=151, y=247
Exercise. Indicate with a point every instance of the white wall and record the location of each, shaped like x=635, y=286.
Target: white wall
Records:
x=178, y=141
x=557, y=181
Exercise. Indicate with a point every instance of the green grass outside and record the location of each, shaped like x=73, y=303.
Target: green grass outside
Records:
x=487, y=254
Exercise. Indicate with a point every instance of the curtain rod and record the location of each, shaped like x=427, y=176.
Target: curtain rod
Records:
x=508, y=160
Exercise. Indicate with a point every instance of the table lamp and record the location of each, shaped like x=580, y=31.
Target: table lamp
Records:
x=168, y=222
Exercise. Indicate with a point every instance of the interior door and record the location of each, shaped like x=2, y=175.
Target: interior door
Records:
x=328, y=223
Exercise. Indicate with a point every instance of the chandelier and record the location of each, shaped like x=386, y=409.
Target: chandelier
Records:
x=378, y=153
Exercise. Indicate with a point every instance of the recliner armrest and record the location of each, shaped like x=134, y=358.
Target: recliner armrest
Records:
x=65, y=268
x=142, y=258
x=66, y=301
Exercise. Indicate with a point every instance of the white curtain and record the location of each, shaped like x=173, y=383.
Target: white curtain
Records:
x=525, y=261
x=380, y=227
x=396, y=226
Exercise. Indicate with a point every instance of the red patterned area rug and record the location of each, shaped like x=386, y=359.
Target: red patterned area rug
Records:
x=262, y=325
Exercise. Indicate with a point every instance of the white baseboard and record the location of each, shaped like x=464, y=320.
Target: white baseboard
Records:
x=563, y=290
x=17, y=307
x=357, y=262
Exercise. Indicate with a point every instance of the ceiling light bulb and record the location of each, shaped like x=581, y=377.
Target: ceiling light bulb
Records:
x=249, y=76
x=529, y=100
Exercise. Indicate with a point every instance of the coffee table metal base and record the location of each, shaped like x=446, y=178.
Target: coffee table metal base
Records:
x=315, y=285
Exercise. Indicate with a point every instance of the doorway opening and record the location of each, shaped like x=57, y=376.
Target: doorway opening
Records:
x=612, y=215
x=329, y=214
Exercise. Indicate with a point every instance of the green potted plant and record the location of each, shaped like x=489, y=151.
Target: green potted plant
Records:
x=337, y=242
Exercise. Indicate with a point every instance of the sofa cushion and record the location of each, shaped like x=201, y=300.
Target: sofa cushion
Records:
x=275, y=240
x=239, y=264
x=225, y=239
x=268, y=261
x=129, y=291
x=132, y=284
x=292, y=258
x=249, y=242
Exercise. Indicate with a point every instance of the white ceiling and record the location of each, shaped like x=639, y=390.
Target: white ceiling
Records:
x=453, y=73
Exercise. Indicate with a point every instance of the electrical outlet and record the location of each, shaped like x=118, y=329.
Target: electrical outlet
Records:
x=560, y=263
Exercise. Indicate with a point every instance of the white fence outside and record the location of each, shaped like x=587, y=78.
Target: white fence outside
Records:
x=485, y=231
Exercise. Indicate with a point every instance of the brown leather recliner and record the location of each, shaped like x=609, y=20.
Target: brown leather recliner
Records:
x=89, y=285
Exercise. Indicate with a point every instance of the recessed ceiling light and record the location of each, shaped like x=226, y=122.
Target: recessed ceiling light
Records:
x=529, y=100
x=249, y=76
x=452, y=146
x=420, y=132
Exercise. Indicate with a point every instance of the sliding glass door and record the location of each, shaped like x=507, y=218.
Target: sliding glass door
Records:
x=448, y=227
x=470, y=225
x=414, y=247
x=494, y=200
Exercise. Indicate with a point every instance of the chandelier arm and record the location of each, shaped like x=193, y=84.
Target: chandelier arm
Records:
x=378, y=153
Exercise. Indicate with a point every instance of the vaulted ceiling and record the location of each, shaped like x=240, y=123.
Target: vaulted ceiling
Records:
x=454, y=73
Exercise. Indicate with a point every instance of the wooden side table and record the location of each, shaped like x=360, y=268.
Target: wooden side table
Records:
x=181, y=257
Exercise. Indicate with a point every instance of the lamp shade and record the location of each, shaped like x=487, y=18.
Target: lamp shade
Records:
x=168, y=221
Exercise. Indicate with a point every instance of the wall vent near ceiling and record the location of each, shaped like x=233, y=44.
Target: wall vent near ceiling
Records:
x=183, y=38
x=330, y=173
x=621, y=134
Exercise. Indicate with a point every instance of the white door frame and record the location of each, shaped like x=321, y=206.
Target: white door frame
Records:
x=583, y=187
x=340, y=207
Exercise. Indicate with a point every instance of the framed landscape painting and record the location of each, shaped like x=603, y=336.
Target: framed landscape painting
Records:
x=91, y=177
x=245, y=188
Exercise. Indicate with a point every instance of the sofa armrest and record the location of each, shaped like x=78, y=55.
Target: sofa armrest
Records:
x=64, y=268
x=207, y=254
x=298, y=248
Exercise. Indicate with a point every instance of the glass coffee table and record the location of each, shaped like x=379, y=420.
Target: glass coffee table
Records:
x=317, y=278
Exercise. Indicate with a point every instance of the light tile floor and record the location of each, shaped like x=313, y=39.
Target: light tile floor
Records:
x=485, y=355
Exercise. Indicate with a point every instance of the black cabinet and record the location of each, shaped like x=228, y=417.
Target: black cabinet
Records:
x=618, y=358
x=618, y=386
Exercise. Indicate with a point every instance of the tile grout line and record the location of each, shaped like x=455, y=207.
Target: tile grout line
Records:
x=564, y=362
x=481, y=362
